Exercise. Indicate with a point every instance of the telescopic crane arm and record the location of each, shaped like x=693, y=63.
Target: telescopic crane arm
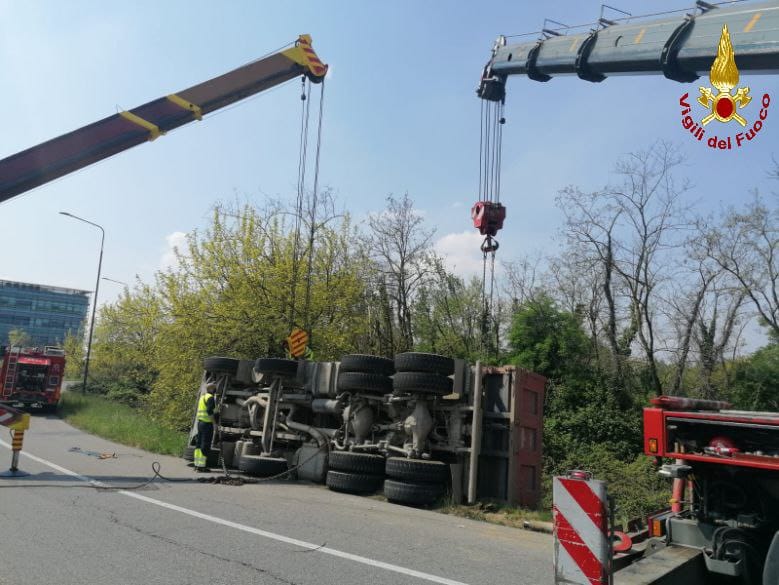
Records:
x=70, y=152
x=681, y=48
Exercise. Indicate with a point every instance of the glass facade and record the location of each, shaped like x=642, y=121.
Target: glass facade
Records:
x=46, y=313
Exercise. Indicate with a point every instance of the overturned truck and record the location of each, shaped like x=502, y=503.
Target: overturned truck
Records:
x=417, y=427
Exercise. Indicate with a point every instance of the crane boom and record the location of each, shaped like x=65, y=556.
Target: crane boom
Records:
x=75, y=150
x=680, y=48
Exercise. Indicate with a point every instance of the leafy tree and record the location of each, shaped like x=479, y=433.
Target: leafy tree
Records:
x=19, y=338
x=755, y=380
x=230, y=294
x=74, y=354
x=549, y=341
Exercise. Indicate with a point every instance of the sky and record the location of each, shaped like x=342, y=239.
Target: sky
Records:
x=401, y=115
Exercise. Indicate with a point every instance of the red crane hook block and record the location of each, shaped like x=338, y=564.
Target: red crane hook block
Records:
x=488, y=217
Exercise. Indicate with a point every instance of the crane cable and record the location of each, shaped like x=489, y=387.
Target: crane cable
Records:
x=302, y=165
x=490, y=159
x=314, y=197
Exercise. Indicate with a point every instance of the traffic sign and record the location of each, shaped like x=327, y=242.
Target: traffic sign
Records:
x=297, y=342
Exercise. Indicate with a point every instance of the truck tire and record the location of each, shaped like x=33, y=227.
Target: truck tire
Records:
x=416, y=494
x=221, y=364
x=365, y=463
x=262, y=466
x=362, y=382
x=369, y=364
x=422, y=383
x=771, y=567
x=189, y=453
x=353, y=483
x=276, y=367
x=424, y=362
x=417, y=470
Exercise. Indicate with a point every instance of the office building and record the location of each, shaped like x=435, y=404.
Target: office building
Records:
x=45, y=313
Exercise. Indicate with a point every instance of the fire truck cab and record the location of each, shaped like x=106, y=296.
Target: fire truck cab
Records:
x=31, y=377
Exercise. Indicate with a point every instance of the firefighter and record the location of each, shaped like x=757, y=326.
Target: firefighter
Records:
x=205, y=427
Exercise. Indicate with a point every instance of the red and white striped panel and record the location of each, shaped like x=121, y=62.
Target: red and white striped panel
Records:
x=582, y=553
x=9, y=416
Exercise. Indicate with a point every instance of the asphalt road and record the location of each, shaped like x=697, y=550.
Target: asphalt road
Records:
x=58, y=529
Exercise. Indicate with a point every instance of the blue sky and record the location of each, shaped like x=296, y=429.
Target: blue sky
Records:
x=401, y=115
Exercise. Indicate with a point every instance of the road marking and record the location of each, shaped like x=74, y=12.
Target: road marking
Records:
x=250, y=529
x=751, y=24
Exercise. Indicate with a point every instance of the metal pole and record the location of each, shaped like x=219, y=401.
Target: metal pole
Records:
x=476, y=423
x=94, y=299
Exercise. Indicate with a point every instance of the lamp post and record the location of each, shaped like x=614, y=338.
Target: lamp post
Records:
x=116, y=281
x=97, y=287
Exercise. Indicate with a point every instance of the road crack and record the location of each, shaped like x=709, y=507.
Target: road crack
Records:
x=114, y=519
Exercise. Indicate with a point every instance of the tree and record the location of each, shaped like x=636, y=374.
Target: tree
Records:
x=745, y=244
x=230, y=294
x=447, y=316
x=400, y=246
x=631, y=230
x=755, y=380
x=74, y=354
x=19, y=338
x=549, y=341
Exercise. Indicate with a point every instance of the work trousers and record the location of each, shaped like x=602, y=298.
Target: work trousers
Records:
x=205, y=434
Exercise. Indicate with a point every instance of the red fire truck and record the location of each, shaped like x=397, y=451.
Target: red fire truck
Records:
x=31, y=377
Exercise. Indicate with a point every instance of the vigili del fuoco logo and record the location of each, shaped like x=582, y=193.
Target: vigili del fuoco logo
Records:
x=724, y=106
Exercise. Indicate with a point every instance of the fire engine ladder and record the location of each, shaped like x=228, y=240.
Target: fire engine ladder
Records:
x=10, y=372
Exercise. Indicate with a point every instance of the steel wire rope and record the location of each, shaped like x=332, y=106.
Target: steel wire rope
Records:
x=302, y=165
x=314, y=195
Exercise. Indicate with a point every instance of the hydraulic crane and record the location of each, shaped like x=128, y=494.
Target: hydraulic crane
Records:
x=75, y=150
x=726, y=526
x=680, y=47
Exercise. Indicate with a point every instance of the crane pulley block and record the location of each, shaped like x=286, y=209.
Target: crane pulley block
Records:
x=488, y=217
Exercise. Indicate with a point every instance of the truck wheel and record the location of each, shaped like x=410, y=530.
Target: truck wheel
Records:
x=262, y=466
x=417, y=470
x=370, y=364
x=353, y=483
x=365, y=463
x=221, y=364
x=771, y=568
x=422, y=383
x=424, y=362
x=189, y=453
x=402, y=492
x=276, y=367
x=362, y=382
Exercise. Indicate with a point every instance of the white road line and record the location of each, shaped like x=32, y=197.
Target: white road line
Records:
x=250, y=529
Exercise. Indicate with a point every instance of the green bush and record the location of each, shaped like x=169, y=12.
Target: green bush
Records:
x=589, y=414
x=636, y=487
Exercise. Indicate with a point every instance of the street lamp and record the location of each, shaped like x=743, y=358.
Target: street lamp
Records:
x=116, y=281
x=97, y=286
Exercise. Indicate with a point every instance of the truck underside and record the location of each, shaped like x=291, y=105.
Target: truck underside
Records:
x=434, y=426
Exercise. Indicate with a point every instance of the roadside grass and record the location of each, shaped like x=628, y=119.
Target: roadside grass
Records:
x=495, y=513
x=490, y=512
x=120, y=423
